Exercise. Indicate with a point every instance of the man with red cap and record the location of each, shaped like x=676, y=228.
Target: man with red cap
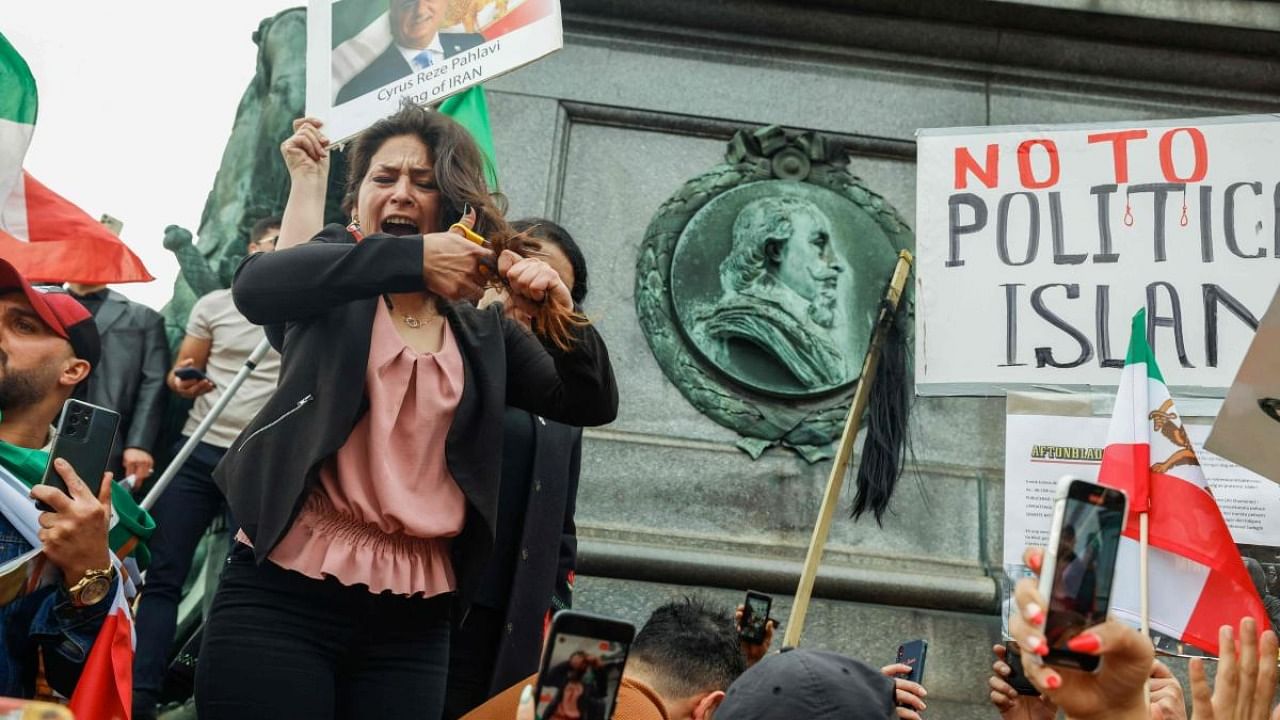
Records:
x=48, y=346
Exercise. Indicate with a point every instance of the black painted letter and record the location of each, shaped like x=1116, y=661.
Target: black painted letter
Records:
x=1213, y=296
x=1174, y=321
x=1002, y=228
x=1044, y=355
x=979, y=222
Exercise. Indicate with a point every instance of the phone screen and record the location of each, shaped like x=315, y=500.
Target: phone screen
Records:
x=1085, y=566
x=755, y=613
x=581, y=678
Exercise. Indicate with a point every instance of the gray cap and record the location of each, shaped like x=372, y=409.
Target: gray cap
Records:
x=809, y=685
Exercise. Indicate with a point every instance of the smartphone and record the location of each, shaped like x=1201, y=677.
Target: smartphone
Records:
x=913, y=654
x=755, y=617
x=190, y=373
x=582, y=666
x=83, y=438
x=1079, y=565
x=1017, y=676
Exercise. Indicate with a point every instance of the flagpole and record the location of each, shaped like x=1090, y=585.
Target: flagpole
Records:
x=831, y=497
x=1144, y=598
x=228, y=392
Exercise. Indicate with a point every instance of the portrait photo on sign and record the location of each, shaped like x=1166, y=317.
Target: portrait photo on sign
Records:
x=366, y=57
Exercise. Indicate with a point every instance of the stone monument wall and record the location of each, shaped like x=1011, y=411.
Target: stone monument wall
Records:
x=643, y=97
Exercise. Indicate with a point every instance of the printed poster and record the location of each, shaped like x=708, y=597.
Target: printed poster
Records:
x=366, y=57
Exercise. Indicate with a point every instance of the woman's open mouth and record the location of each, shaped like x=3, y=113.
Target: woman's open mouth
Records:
x=399, y=225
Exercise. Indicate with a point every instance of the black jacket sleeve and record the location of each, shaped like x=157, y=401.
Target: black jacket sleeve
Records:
x=575, y=387
x=330, y=270
x=148, y=409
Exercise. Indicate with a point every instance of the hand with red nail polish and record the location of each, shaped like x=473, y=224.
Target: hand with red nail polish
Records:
x=1245, y=684
x=1114, y=692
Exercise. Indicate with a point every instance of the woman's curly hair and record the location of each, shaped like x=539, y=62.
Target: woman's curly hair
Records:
x=460, y=174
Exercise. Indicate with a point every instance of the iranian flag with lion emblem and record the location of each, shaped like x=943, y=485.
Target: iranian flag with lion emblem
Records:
x=1198, y=581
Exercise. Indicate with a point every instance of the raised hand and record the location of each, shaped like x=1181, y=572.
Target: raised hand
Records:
x=1243, y=687
x=1167, y=702
x=306, y=151
x=755, y=652
x=1114, y=692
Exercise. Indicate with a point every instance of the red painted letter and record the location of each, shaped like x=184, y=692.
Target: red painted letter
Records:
x=1166, y=156
x=965, y=164
x=1024, y=164
x=1119, y=149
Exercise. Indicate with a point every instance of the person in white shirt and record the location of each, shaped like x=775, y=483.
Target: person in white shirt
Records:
x=218, y=342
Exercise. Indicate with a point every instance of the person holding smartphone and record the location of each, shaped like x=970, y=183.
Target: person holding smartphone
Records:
x=367, y=487
x=48, y=345
x=219, y=340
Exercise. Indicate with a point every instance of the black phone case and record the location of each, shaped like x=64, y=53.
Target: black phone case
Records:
x=190, y=374
x=916, y=650
x=85, y=436
x=1017, y=678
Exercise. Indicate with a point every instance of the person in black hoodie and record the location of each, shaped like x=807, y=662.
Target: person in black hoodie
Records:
x=367, y=487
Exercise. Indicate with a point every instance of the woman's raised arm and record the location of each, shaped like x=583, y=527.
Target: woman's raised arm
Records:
x=306, y=155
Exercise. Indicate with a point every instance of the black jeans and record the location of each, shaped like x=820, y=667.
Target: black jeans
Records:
x=182, y=514
x=472, y=654
x=279, y=644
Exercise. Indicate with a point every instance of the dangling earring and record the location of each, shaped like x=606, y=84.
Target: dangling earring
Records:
x=354, y=227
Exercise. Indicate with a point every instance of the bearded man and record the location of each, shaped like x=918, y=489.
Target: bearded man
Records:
x=48, y=345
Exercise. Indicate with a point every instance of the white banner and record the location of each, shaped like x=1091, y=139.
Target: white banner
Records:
x=1036, y=245
x=366, y=57
x=1040, y=449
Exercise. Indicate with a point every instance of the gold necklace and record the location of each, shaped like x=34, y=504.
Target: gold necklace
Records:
x=406, y=318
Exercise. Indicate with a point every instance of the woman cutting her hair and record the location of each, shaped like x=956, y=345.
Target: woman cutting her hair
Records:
x=367, y=488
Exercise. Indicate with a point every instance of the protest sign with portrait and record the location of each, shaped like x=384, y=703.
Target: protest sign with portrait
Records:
x=366, y=57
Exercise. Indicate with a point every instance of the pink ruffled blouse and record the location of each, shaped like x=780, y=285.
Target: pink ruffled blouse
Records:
x=386, y=504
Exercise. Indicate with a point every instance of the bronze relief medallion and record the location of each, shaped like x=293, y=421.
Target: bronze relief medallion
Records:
x=758, y=283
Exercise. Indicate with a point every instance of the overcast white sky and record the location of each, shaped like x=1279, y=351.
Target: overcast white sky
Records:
x=137, y=98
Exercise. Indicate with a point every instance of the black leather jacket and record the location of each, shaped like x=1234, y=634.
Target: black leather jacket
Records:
x=318, y=302
x=129, y=377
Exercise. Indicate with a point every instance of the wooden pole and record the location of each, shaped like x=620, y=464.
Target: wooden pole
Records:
x=831, y=497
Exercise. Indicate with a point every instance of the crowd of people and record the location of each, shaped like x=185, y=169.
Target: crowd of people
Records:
x=400, y=472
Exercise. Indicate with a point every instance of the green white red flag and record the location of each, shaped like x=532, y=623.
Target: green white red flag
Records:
x=105, y=689
x=1198, y=581
x=44, y=235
